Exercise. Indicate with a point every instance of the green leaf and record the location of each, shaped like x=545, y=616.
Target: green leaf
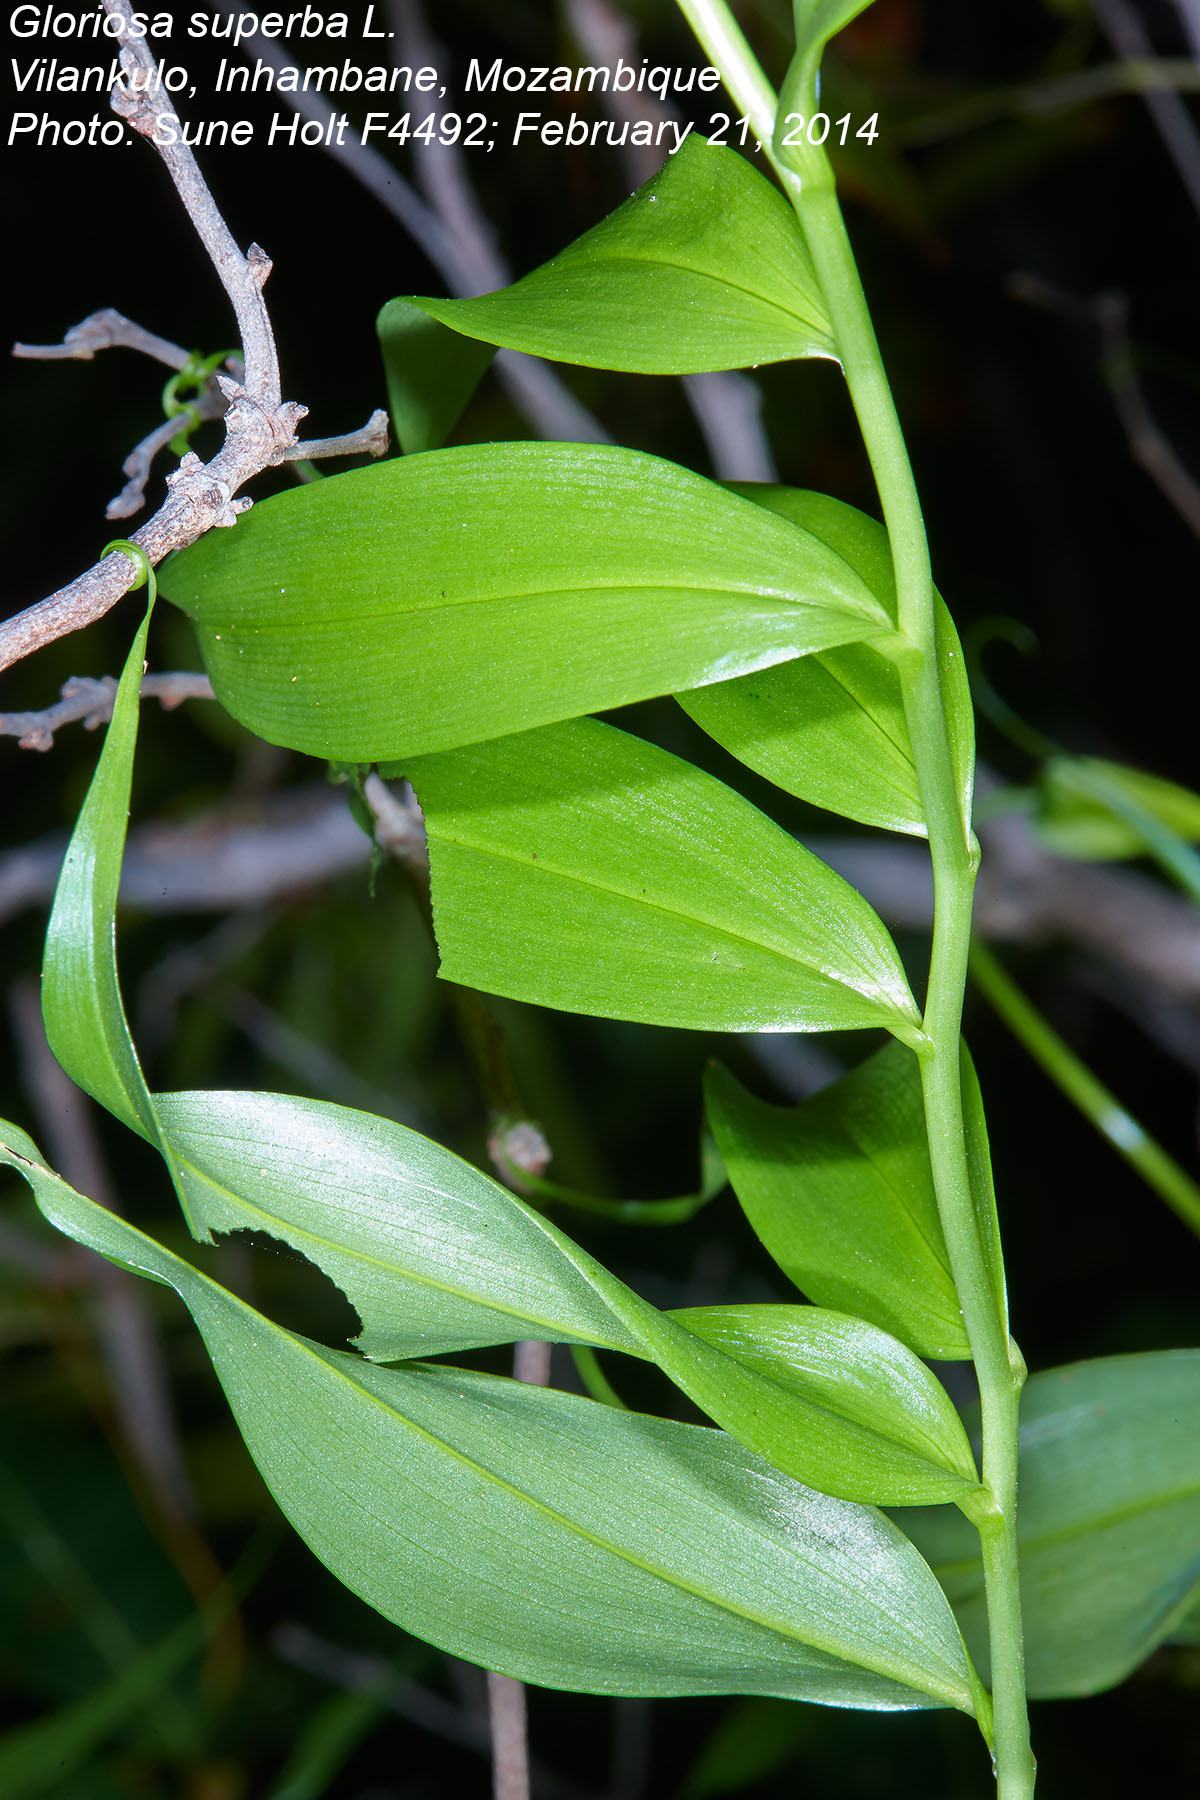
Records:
x=831, y=729
x=581, y=868
x=431, y=375
x=561, y=1541
x=443, y=599
x=81, y=996
x=1108, y=1525
x=437, y=1257
x=862, y=1381
x=703, y=268
x=1076, y=816
x=840, y=1191
x=433, y=1255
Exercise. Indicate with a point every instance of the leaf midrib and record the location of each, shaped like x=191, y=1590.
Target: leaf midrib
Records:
x=567, y=262
x=862, y=612
x=543, y=866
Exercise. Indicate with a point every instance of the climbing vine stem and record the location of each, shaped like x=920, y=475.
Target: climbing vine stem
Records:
x=809, y=184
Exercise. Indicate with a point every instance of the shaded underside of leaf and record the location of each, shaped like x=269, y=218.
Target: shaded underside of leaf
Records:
x=437, y=1257
x=1109, y=1520
x=482, y=1515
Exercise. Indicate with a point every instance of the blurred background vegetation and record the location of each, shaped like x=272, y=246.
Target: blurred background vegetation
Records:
x=162, y=1633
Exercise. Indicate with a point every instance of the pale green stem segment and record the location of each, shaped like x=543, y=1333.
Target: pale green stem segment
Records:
x=1098, y=1104
x=721, y=37
x=954, y=854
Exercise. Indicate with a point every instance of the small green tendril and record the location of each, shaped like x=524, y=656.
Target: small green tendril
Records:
x=192, y=379
x=989, y=701
x=146, y=576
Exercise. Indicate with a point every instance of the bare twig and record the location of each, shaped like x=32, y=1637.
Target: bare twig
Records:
x=371, y=439
x=606, y=38
x=138, y=464
x=1149, y=446
x=510, y=1737
x=223, y=862
x=455, y=240
x=728, y=409
x=463, y=1725
x=1189, y=13
x=106, y=330
x=109, y=330
x=260, y=427
x=399, y=826
x=1130, y=39
x=506, y=1696
x=89, y=700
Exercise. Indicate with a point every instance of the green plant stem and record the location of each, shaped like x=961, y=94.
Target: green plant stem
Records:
x=1098, y=1104
x=721, y=37
x=954, y=856
x=954, y=862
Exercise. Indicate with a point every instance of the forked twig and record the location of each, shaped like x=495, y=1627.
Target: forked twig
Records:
x=260, y=426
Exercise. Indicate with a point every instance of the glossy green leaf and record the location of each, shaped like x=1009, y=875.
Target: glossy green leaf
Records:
x=81, y=997
x=483, y=1516
x=1109, y=1520
x=840, y=1191
x=583, y=869
x=1078, y=802
x=831, y=729
x=433, y=1255
x=860, y=1377
x=703, y=268
x=444, y=599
